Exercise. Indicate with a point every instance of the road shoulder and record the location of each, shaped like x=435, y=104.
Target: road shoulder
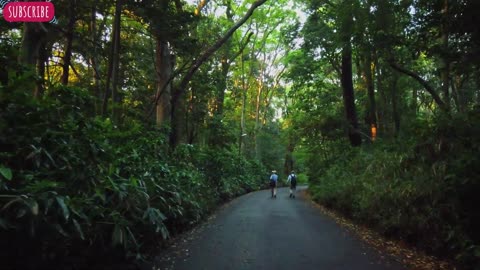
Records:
x=395, y=249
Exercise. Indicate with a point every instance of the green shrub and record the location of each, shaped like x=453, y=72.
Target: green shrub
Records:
x=302, y=179
x=72, y=185
x=424, y=192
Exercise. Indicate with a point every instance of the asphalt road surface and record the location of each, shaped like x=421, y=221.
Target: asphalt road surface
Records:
x=257, y=232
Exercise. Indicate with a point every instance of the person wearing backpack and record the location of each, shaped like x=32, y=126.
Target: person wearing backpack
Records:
x=292, y=179
x=273, y=183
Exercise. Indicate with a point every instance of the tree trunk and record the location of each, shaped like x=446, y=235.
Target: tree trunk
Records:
x=346, y=76
x=242, y=117
x=33, y=38
x=288, y=165
x=164, y=67
x=221, y=87
x=395, y=112
x=107, y=91
x=455, y=96
x=372, y=107
x=445, y=69
x=116, y=62
x=42, y=59
x=32, y=34
x=349, y=97
x=258, y=101
x=225, y=62
x=414, y=101
x=381, y=116
x=189, y=115
x=67, y=58
x=289, y=162
x=180, y=91
x=177, y=114
x=3, y=73
x=216, y=122
x=93, y=56
x=457, y=86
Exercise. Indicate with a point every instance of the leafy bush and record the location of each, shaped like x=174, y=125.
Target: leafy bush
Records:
x=424, y=192
x=229, y=175
x=302, y=179
x=73, y=186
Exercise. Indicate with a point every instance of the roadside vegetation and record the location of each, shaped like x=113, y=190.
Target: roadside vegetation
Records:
x=385, y=118
x=74, y=186
x=124, y=123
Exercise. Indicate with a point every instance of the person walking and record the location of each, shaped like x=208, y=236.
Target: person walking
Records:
x=273, y=183
x=292, y=179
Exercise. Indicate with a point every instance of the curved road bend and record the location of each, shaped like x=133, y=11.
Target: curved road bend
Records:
x=257, y=232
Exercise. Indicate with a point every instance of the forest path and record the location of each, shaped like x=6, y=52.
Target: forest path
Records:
x=257, y=232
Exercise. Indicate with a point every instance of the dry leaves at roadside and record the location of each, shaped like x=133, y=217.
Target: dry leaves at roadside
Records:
x=408, y=256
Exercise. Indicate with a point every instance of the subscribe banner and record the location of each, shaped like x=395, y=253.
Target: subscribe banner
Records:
x=28, y=11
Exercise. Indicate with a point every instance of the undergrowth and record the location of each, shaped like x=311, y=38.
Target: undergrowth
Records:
x=80, y=190
x=423, y=191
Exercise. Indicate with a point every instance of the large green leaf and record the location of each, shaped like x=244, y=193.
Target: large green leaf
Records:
x=34, y=207
x=78, y=228
x=164, y=231
x=6, y=173
x=118, y=235
x=132, y=236
x=63, y=206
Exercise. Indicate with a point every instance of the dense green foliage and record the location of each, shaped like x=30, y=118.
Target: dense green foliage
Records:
x=130, y=121
x=424, y=193
x=72, y=185
x=415, y=177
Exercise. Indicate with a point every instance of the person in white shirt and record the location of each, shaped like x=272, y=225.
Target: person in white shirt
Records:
x=292, y=179
x=273, y=183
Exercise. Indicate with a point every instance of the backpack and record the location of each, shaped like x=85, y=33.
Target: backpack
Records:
x=294, y=179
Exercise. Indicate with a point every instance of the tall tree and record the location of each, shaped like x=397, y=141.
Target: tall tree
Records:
x=345, y=32
x=34, y=35
x=111, y=85
x=69, y=35
x=94, y=57
x=183, y=84
x=116, y=60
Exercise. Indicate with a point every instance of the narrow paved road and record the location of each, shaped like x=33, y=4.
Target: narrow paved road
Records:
x=257, y=232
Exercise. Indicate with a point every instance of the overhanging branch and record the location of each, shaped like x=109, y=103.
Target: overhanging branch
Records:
x=424, y=83
x=242, y=46
x=211, y=50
